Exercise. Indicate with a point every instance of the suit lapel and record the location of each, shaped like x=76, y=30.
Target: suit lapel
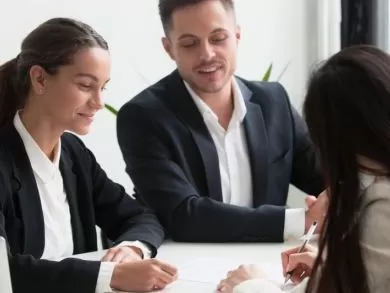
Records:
x=183, y=105
x=27, y=194
x=70, y=186
x=257, y=141
x=26, y=191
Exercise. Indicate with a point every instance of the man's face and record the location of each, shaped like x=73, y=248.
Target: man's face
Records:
x=203, y=42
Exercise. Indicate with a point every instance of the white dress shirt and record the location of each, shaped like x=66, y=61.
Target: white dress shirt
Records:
x=234, y=164
x=55, y=207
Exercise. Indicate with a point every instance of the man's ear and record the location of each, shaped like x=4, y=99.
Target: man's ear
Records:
x=168, y=47
x=238, y=33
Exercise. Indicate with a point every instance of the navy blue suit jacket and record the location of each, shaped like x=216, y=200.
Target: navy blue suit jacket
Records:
x=173, y=163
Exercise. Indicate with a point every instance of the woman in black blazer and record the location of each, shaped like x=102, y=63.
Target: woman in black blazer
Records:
x=52, y=191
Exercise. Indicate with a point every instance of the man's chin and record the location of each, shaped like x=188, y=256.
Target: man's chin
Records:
x=210, y=88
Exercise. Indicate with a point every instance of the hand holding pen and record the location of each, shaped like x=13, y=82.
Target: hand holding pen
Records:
x=298, y=262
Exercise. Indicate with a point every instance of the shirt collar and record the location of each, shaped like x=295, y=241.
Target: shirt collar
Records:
x=239, y=104
x=40, y=163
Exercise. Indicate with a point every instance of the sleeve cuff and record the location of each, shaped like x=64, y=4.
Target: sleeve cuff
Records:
x=294, y=223
x=104, y=277
x=144, y=247
x=256, y=286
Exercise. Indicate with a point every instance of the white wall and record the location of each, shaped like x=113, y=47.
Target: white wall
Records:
x=281, y=31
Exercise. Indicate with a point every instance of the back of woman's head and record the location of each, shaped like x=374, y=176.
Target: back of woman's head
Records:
x=51, y=45
x=347, y=110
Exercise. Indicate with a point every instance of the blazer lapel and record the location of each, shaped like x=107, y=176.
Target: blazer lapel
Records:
x=185, y=108
x=257, y=141
x=27, y=194
x=70, y=186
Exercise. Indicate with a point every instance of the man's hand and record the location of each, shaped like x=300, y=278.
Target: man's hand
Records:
x=123, y=254
x=317, y=209
x=142, y=276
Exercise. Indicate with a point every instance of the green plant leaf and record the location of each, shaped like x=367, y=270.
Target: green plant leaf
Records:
x=111, y=109
x=267, y=73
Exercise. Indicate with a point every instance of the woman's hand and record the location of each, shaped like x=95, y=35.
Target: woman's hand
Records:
x=300, y=265
x=241, y=274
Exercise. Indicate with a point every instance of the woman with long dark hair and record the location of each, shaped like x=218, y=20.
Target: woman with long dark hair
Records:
x=347, y=110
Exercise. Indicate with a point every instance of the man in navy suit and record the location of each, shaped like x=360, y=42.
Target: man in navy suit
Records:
x=210, y=152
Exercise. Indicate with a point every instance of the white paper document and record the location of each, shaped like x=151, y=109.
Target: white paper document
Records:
x=202, y=275
x=213, y=270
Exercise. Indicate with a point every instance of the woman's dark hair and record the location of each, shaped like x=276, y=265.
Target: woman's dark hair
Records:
x=51, y=45
x=347, y=110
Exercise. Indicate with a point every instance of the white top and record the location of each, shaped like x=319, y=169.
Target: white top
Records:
x=5, y=277
x=55, y=207
x=234, y=164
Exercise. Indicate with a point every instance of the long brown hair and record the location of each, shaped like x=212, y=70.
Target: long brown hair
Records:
x=347, y=110
x=51, y=45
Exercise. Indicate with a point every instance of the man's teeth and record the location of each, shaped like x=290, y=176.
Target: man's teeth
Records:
x=208, y=69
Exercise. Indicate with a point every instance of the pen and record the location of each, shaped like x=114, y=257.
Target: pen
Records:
x=308, y=236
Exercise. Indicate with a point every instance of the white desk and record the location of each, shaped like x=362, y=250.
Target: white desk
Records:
x=180, y=253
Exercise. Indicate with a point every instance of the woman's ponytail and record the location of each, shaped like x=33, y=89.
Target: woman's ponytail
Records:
x=9, y=101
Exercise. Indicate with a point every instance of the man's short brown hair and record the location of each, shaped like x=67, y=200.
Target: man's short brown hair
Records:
x=167, y=7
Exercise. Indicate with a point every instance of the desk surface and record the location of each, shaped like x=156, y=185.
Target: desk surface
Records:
x=180, y=253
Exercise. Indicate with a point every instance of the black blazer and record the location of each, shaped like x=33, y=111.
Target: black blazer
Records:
x=173, y=163
x=93, y=200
